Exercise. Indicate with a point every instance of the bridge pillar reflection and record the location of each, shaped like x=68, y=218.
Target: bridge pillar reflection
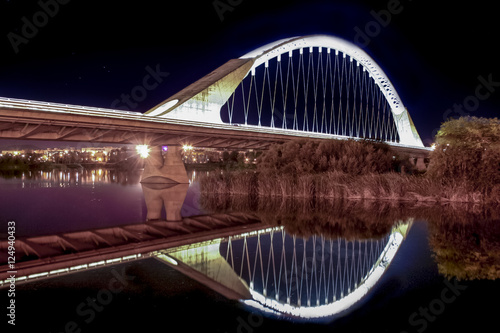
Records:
x=164, y=167
x=170, y=196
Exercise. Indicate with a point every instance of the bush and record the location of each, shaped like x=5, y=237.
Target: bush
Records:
x=305, y=156
x=468, y=151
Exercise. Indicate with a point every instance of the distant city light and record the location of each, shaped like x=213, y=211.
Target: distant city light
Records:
x=143, y=150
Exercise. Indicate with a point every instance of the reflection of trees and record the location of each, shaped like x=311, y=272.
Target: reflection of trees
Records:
x=466, y=242
x=342, y=218
x=465, y=239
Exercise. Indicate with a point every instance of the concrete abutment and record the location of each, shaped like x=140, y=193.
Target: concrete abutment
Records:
x=164, y=167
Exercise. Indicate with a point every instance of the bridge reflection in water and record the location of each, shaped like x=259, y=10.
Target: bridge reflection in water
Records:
x=234, y=254
x=71, y=252
x=285, y=274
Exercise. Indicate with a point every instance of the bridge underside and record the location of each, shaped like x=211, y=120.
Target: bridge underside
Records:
x=74, y=251
x=33, y=125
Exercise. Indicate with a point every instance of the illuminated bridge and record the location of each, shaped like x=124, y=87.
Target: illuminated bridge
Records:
x=315, y=86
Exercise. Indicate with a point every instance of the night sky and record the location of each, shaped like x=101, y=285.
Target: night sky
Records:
x=89, y=52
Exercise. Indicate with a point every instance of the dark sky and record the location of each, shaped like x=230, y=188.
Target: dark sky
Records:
x=90, y=52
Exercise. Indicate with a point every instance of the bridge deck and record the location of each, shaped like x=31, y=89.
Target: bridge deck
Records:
x=20, y=119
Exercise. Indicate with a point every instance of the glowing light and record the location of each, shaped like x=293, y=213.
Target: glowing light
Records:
x=133, y=256
x=143, y=150
x=168, y=259
x=97, y=263
x=187, y=147
x=33, y=276
x=433, y=146
x=58, y=271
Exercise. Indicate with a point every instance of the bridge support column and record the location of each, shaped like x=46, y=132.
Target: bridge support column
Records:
x=420, y=165
x=164, y=169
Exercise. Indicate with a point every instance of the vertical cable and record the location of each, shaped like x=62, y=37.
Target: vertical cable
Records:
x=324, y=78
x=305, y=85
x=341, y=86
x=273, y=100
x=348, y=110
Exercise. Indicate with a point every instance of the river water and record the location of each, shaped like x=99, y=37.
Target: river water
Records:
x=342, y=266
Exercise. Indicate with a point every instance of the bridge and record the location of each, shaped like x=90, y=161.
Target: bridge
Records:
x=315, y=86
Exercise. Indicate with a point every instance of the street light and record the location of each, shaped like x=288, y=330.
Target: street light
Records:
x=187, y=147
x=143, y=150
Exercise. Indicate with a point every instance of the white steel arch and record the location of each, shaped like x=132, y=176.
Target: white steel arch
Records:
x=203, y=100
x=270, y=51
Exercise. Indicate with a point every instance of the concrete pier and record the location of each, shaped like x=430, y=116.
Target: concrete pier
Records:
x=164, y=167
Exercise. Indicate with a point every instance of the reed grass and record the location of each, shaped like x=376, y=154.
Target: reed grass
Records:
x=338, y=185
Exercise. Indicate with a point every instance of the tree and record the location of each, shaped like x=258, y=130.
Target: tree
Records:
x=302, y=156
x=468, y=150
x=225, y=156
x=233, y=156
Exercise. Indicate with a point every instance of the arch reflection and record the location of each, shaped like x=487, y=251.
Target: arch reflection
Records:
x=284, y=274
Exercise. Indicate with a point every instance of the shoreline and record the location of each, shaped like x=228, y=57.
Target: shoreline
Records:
x=335, y=185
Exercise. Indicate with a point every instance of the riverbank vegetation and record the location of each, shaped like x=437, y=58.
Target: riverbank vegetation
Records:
x=467, y=154
x=464, y=167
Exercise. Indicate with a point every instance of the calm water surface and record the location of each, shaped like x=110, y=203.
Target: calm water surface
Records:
x=315, y=266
